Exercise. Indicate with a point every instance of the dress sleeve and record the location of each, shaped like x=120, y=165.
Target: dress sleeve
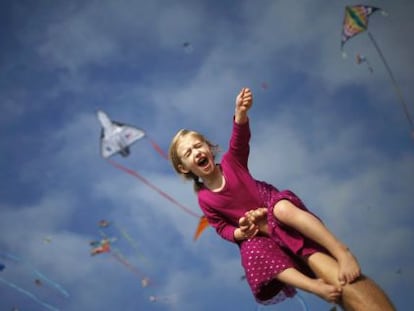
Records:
x=217, y=221
x=239, y=147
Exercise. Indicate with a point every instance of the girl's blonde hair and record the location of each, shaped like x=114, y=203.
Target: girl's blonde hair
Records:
x=176, y=161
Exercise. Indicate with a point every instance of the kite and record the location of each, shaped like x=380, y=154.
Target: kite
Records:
x=116, y=138
x=103, y=223
x=2, y=267
x=202, y=225
x=355, y=22
x=188, y=47
x=47, y=240
x=360, y=59
x=106, y=224
x=105, y=245
x=100, y=247
x=39, y=281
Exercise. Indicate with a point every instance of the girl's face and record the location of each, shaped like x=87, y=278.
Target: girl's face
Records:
x=195, y=155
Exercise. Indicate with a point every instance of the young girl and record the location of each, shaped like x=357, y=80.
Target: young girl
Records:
x=271, y=238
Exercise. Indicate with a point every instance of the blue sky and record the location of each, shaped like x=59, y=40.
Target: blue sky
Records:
x=324, y=127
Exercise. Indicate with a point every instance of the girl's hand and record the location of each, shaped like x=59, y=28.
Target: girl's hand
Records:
x=244, y=102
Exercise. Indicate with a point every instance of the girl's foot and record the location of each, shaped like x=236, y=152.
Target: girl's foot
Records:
x=328, y=292
x=349, y=269
x=259, y=218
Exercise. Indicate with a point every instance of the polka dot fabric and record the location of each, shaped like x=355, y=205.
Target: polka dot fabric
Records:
x=262, y=259
x=265, y=257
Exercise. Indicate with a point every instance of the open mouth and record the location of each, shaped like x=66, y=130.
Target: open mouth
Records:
x=202, y=161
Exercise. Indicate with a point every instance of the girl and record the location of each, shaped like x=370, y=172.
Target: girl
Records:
x=270, y=239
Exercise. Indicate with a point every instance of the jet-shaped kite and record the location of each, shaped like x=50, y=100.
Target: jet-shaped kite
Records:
x=117, y=137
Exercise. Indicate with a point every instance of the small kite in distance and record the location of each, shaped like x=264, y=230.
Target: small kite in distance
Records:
x=188, y=47
x=103, y=223
x=360, y=59
x=99, y=247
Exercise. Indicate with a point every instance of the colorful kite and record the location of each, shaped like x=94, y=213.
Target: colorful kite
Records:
x=105, y=245
x=116, y=138
x=355, y=22
x=104, y=224
x=100, y=247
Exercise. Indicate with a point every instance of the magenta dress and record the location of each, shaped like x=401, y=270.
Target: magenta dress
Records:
x=262, y=257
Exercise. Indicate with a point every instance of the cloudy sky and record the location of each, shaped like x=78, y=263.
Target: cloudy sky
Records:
x=323, y=126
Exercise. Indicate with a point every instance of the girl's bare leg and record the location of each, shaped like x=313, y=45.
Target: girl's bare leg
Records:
x=310, y=226
x=319, y=287
x=361, y=295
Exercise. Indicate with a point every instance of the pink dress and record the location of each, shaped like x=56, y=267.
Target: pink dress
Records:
x=261, y=257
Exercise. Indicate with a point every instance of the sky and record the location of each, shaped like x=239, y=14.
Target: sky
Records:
x=323, y=126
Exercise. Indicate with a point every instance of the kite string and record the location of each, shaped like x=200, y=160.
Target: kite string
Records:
x=158, y=148
x=394, y=82
x=131, y=241
x=145, y=181
x=120, y=258
x=301, y=301
x=51, y=283
x=37, y=273
x=29, y=294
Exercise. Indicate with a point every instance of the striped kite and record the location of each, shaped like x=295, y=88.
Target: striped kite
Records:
x=355, y=22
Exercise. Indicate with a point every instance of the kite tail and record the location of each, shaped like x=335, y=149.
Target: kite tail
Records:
x=52, y=283
x=37, y=273
x=120, y=258
x=158, y=148
x=145, y=181
x=10, y=256
x=301, y=301
x=131, y=242
x=29, y=294
x=394, y=82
